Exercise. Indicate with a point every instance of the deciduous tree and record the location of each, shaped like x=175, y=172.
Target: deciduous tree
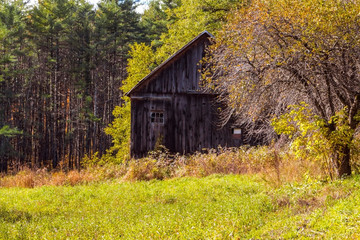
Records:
x=280, y=52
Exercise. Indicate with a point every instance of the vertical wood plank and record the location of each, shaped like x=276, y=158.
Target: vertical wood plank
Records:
x=190, y=123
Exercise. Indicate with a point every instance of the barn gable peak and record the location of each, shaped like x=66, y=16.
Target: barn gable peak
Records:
x=169, y=61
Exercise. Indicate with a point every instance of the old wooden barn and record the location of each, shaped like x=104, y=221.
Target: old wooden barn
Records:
x=168, y=107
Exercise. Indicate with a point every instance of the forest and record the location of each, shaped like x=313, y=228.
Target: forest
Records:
x=62, y=63
x=282, y=68
x=63, y=70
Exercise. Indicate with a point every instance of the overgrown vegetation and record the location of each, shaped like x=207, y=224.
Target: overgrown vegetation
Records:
x=310, y=136
x=275, y=166
x=216, y=207
x=250, y=192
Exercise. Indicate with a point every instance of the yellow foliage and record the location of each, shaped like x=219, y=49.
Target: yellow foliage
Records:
x=138, y=67
x=313, y=137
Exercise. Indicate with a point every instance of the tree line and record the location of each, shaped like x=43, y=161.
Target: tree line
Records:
x=62, y=63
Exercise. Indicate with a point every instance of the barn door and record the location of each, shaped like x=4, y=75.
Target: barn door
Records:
x=159, y=123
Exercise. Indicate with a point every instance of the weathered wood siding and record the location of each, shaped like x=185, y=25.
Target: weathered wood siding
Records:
x=189, y=125
x=181, y=76
x=189, y=117
x=196, y=125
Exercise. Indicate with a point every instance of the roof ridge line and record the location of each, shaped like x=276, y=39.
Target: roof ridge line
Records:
x=168, y=60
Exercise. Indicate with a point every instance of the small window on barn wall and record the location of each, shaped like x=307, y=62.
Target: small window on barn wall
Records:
x=157, y=117
x=236, y=133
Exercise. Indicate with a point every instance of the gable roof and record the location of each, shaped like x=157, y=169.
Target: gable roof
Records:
x=169, y=61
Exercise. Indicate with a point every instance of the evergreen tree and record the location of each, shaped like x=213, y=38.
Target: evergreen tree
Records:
x=61, y=66
x=12, y=78
x=50, y=23
x=157, y=18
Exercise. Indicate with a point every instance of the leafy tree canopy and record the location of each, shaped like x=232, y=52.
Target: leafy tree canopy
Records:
x=276, y=53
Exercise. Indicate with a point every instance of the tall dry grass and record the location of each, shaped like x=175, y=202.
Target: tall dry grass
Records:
x=274, y=165
x=42, y=177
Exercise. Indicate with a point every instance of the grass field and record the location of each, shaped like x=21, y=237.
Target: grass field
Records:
x=215, y=207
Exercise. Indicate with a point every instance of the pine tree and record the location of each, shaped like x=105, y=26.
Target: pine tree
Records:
x=12, y=79
x=157, y=18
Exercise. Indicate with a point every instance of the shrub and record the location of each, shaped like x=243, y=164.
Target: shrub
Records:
x=221, y=161
x=322, y=142
x=147, y=169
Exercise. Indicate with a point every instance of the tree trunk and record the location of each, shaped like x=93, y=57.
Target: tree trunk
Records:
x=344, y=162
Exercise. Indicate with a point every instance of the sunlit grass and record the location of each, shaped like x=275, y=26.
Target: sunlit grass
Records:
x=215, y=207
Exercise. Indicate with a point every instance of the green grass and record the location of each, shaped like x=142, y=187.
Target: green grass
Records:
x=215, y=207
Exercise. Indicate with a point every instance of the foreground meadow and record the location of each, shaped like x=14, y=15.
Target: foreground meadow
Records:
x=214, y=207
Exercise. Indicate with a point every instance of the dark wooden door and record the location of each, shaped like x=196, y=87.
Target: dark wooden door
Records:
x=160, y=117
